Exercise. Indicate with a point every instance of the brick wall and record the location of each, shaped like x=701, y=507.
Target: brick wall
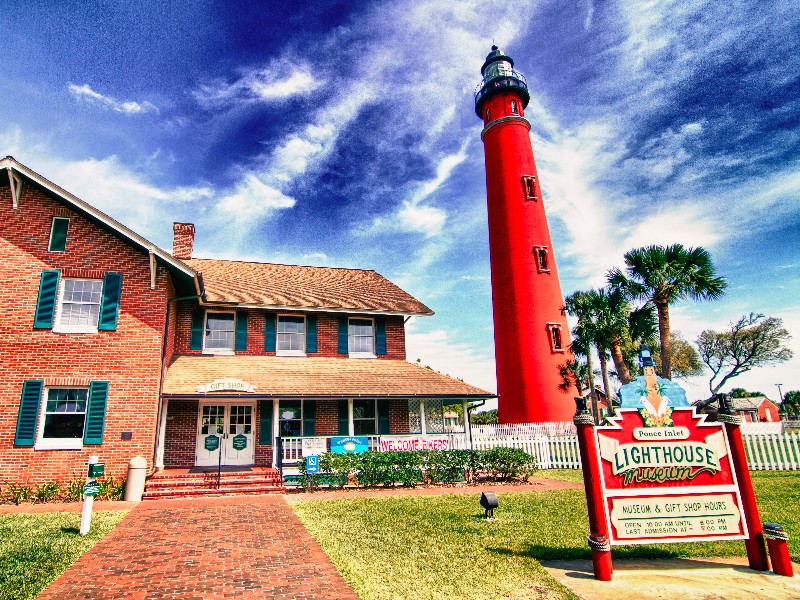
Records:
x=181, y=435
x=398, y=416
x=327, y=418
x=129, y=358
x=327, y=333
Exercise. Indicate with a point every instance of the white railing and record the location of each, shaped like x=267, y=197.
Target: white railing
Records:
x=765, y=451
x=528, y=429
x=772, y=451
x=774, y=427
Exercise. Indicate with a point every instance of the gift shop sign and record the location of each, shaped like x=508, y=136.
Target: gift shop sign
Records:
x=673, y=482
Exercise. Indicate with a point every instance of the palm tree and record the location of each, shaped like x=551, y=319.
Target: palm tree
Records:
x=663, y=275
x=620, y=329
x=579, y=304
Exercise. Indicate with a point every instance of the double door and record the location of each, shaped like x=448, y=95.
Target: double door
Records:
x=225, y=434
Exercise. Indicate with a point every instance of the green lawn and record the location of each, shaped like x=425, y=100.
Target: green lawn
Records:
x=442, y=547
x=36, y=548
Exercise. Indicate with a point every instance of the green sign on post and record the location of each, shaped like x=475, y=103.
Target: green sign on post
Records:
x=97, y=470
x=211, y=443
x=91, y=489
x=239, y=442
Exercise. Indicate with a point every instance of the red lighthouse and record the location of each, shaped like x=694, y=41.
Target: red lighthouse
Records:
x=530, y=330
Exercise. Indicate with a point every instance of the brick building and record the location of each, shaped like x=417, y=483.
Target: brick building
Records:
x=116, y=348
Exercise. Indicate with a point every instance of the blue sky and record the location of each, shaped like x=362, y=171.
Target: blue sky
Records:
x=343, y=134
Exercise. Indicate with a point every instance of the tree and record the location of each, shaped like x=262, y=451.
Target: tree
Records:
x=791, y=404
x=664, y=275
x=752, y=341
x=487, y=417
x=743, y=393
x=685, y=359
x=579, y=304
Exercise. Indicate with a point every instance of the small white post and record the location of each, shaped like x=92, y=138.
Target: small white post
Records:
x=86, y=513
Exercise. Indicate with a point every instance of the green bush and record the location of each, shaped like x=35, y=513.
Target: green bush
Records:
x=409, y=469
x=17, y=494
x=47, y=492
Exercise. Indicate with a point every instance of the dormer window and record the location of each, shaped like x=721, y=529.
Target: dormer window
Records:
x=514, y=110
x=542, y=261
x=554, y=333
x=529, y=187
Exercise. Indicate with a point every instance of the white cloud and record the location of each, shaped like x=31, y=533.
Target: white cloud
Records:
x=268, y=84
x=87, y=94
x=252, y=199
x=442, y=351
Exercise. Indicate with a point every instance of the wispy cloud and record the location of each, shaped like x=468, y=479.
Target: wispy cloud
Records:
x=258, y=85
x=252, y=199
x=84, y=93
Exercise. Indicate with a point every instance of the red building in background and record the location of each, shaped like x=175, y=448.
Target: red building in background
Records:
x=530, y=329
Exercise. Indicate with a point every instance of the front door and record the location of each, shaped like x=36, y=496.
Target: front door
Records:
x=225, y=435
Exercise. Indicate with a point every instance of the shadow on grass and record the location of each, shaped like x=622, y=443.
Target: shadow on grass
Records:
x=73, y=530
x=540, y=553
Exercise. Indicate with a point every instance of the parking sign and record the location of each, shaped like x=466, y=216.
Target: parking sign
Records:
x=312, y=464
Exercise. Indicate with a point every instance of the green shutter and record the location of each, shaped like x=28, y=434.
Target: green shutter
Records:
x=311, y=334
x=270, y=332
x=265, y=423
x=384, y=422
x=309, y=417
x=241, y=331
x=109, y=309
x=46, y=303
x=28, y=415
x=344, y=421
x=343, y=333
x=380, y=336
x=96, y=413
x=196, y=341
x=58, y=234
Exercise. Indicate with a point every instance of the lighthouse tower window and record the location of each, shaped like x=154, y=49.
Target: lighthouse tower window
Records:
x=529, y=187
x=554, y=329
x=542, y=264
x=488, y=118
x=514, y=110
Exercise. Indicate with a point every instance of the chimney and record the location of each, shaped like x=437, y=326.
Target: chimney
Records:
x=182, y=240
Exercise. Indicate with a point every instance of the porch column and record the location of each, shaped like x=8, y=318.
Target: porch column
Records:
x=276, y=430
x=423, y=427
x=467, y=426
x=162, y=433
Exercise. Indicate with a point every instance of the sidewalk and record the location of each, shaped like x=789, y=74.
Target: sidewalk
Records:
x=237, y=547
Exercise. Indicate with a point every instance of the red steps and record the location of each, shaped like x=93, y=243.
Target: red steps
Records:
x=168, y=484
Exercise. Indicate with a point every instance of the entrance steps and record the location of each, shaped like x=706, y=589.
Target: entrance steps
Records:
x=180, y=483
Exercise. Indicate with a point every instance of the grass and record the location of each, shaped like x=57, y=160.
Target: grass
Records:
x=442, y=547
x=37, y=548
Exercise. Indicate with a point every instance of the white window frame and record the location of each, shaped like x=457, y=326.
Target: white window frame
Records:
x=43, y=443
x=537, y=250
x=352, y=354
x=556, y=327
x=278, y=351
x=57, y=326
x=222, y=351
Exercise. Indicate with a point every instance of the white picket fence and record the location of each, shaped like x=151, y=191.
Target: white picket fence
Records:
x=765, y=451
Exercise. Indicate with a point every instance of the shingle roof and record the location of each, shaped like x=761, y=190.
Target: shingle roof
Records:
x=747, y=403
x=275, y=285
x=320, y=377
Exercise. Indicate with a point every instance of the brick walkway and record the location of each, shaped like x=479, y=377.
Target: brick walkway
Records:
x=238, y=547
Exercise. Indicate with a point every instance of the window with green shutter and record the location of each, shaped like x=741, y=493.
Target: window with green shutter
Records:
x=343, y=334
x=96, y=413
x=380, y=336
x=28, y=414
x=241, y=331
x=58, y=234
x=196, y=340
x=309, y=417
x=270, y=332
x=384, y=421
x=265, y=422
x=344, y=418
x=311, y=334
x=109, y=307
x=46, y=302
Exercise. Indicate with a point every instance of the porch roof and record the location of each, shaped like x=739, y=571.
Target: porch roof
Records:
x=314, y=377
